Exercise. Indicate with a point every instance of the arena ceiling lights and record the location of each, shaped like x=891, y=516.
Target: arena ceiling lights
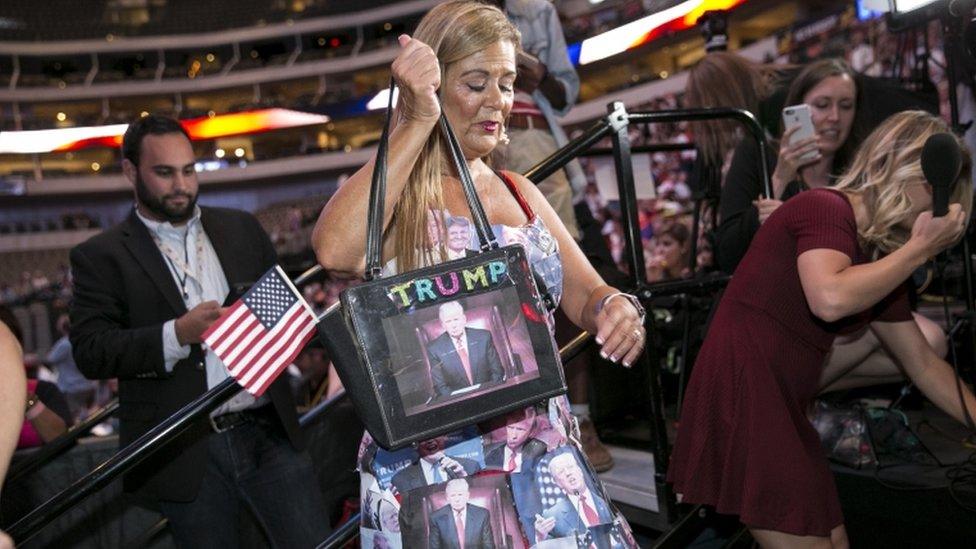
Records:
x=678, y=17
x=221, y=125
x=637, y=33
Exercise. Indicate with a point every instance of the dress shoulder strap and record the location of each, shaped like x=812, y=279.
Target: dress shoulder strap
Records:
x=513, y=188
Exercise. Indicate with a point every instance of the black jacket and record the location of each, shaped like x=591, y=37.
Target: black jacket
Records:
x=123, y=294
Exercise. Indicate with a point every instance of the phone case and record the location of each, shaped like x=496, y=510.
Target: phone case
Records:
x=799, y=115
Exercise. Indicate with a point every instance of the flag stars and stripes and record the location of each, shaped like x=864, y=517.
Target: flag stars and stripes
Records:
x=269, y=299
x=260, y=334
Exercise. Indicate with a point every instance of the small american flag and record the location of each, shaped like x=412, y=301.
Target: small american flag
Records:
x=262, y=332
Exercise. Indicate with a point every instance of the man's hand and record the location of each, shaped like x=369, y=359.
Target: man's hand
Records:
x=543, y=526
x=190, y=326
x=531, y=72
x=453, y=468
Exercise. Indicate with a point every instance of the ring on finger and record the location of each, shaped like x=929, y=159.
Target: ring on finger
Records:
x=637, y=334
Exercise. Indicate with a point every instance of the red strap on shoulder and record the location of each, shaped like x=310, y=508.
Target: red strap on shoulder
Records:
x=513, y=188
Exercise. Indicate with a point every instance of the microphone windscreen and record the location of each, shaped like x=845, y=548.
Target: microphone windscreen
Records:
x=941, y=162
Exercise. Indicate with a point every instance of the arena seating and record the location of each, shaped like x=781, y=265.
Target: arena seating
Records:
x=57, y=19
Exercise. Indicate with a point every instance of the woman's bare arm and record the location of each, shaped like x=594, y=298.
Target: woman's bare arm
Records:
x=13, y=396
x=933, y=376
x=584, y=289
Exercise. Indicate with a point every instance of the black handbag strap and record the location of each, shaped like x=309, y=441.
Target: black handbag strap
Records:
x=377, y=198
x=485, y=235
x=377, y=194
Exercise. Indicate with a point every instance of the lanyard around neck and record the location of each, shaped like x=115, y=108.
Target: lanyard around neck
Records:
x=186, y=262
x=181, y=266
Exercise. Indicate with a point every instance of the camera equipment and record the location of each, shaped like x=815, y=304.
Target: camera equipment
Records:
x=715, y=28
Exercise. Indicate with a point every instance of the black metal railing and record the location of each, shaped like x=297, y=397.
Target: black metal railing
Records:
x=344, y=533
x=615, y=125
x=162, y=434
x=125, y=459
x=304, y=421
x=321, y=408
x=649, y=148
x=61, y=444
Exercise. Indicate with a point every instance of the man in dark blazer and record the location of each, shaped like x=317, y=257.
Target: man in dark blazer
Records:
x=433, y=467
x=461, y=357
x=578, y=508
x=458, y=520
x=520, y=450
x=144, y=292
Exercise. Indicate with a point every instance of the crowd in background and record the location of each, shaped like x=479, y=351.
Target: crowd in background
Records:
x=70, y=221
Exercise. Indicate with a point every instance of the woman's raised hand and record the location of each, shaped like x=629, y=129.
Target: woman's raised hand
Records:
x=791, y=159
x=418, y=74
x=935, y=234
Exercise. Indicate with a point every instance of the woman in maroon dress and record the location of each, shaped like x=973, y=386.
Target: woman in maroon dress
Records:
x=745, y=445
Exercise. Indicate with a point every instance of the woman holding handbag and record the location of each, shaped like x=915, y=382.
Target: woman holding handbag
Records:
x=461, y=62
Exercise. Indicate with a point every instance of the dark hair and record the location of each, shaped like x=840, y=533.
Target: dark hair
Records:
x=153, y=124
x=7, y=317
x=817, y=72
x=677, y=231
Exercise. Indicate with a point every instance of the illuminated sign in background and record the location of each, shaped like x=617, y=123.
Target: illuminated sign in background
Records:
x=637, y=33
x=206, y=127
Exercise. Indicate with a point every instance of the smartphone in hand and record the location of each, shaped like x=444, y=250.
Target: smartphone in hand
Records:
x=799, y=115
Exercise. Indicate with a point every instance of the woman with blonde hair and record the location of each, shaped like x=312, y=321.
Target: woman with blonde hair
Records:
x=825, y=263
x=461, y=61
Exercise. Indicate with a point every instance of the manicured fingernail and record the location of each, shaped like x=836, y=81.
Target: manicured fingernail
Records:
x=626, y=365
x=599, y=341
x=603, y=354
x=613, y=358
